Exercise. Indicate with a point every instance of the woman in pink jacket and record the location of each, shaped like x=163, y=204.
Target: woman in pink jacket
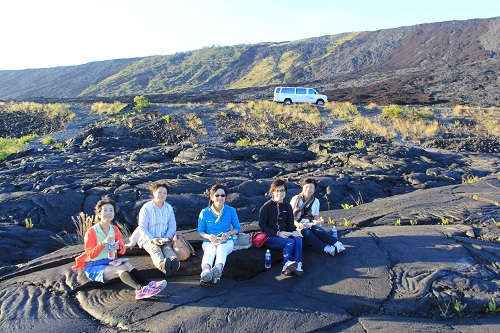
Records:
x=101, y=238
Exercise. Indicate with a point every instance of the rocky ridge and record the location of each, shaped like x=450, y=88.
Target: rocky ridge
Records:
x=450, y=63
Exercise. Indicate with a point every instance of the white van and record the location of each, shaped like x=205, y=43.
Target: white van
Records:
x=289, y=95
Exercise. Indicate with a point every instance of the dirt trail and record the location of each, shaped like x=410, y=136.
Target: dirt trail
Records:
x=76, y=126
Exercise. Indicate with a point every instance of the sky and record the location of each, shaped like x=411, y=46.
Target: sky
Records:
x=51, y=33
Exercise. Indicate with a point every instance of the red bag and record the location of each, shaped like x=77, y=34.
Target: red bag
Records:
x=259, y=238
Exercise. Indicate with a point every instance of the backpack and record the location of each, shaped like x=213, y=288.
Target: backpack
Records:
x=182, y=247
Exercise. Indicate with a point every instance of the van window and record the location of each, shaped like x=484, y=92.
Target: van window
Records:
x=301, y=91
x=288, y=91
x=277, y=90
x=311, y=91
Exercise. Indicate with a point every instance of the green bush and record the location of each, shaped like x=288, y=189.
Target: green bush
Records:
x=141, y=103
x=10, y=146
x=243, y=142
x=393, y=111
x=48, y=140
x=360, y=144
x=27, y=138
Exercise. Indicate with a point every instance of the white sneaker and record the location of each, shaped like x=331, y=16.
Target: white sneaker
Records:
x=206, y=276
x=289, y=267
x=298, y=271
x=330, y=249
x=339, y=246
x=216, y=272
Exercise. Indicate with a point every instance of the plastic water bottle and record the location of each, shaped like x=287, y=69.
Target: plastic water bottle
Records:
x=267, y=259
x=235, y=239
x=334, y=231
x=111, y=251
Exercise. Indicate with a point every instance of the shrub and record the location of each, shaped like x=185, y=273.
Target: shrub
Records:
x=469, y=179
x=243, y=142
x=346, y=206
x=167, y=119
x=12, y=146
x=28, y=138
x=492, y=306
x=393, y=111
x=360, y=144
x=141, y=103
x=48, y=140
x=107, y=108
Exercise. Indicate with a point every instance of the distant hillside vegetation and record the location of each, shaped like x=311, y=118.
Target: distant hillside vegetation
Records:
x=449, y=62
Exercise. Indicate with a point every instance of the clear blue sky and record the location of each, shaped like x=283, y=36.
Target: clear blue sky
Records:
x=50, y=33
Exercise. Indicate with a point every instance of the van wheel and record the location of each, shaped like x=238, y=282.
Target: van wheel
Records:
x=320, y=102
x=287, y=101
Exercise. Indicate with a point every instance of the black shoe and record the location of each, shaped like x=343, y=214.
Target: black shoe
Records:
x=166, y=267
x=175, y=265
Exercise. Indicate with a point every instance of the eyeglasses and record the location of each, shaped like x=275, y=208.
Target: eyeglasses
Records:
x=220, y=195
x=280, y=191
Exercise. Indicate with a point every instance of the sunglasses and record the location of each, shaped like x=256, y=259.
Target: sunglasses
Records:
x=220, y=195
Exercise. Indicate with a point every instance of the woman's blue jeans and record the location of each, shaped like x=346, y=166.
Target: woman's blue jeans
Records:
x=318, y=237
x=292, y=247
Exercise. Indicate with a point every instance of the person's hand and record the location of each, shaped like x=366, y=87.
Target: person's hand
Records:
x=225, y=235
x=321, y=220
x=116, y=246
x=214, y=239
x=295, y=234
x=301, y=225
x=156, y=241
x=284, y=234
x=109, y=239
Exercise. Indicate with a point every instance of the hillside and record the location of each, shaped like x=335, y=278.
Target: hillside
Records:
x=450, y=62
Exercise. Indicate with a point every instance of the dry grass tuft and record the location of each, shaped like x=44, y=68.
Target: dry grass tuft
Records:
x=342, y=110
x=365, y=125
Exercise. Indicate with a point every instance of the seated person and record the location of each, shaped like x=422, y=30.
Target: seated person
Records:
x=276, y=221
x=157, y=227
x=214, y=225
x=306, y=212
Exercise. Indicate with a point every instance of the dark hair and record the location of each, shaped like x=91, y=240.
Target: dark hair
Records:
x=156, y=186
x=100, y=203
x=277, y=183
x=215, y=188
x=309, y=180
